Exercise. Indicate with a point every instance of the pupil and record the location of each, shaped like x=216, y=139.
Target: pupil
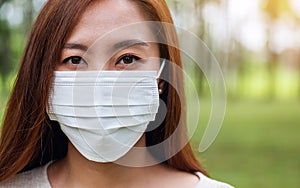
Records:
x=76, y=60
x=128, y=60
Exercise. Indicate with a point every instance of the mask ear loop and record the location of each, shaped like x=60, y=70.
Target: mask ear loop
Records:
x=161, y=68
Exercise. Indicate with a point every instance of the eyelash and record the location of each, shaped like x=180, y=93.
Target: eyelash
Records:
x=136, y=58
x=73, y=58
x=79, y=59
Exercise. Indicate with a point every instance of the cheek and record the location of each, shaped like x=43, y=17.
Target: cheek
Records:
x=60, y=68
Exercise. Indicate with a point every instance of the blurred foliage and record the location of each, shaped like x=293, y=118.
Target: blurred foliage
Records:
x=259, y=143
x=236, y=60
x=275, y=8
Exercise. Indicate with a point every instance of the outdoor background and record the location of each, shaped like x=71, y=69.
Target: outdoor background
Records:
x=257, y=44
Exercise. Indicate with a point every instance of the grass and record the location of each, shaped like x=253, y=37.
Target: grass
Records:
x=3, y=101
x=258, y=146
x=5, y=88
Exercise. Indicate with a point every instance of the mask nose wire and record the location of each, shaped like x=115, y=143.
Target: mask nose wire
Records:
x=161, y=68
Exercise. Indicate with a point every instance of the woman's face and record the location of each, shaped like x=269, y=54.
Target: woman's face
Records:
x=100, y=40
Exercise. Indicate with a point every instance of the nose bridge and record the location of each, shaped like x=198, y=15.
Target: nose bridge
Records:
x=98, y=59
x=101, y=66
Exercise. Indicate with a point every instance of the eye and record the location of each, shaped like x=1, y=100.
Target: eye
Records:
x=75, y=60
x=128, y=59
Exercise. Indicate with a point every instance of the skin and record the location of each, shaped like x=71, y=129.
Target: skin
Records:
x=99, y=19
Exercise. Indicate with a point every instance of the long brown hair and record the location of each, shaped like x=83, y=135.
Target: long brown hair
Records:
x=29, y=139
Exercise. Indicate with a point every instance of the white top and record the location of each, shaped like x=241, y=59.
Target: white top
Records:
x=38, y=178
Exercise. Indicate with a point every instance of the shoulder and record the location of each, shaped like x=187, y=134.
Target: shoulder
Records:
x=174, y=178
x=196, y=180
x=36, y=178
x=207, y=182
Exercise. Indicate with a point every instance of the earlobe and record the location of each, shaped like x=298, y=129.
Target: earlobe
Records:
x=160, y=91
x=161, y=86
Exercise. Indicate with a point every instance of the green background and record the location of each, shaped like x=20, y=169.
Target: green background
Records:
x=259, y=143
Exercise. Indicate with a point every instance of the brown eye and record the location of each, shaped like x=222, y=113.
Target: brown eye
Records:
x=128, y=59
x=75, y=60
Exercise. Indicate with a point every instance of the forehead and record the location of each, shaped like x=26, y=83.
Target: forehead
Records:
x=104, y=17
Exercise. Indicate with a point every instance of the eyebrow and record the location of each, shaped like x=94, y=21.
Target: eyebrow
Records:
x=76, y=46
x=129, y=43
x=115, y=47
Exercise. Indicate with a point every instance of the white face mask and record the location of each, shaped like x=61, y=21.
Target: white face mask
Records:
x=104, y=113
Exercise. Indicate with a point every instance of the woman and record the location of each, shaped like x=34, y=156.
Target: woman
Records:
x=37, y=145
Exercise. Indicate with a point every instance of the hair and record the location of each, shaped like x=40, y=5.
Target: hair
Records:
x=30, y=139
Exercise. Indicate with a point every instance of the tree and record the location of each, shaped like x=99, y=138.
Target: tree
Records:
x=274, y=9
x=7, y=33
x=5, y=64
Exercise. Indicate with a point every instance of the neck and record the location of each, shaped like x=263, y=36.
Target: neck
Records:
x=77, y=170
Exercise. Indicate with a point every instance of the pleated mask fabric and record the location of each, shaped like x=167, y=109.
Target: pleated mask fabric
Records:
x=104, y=113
